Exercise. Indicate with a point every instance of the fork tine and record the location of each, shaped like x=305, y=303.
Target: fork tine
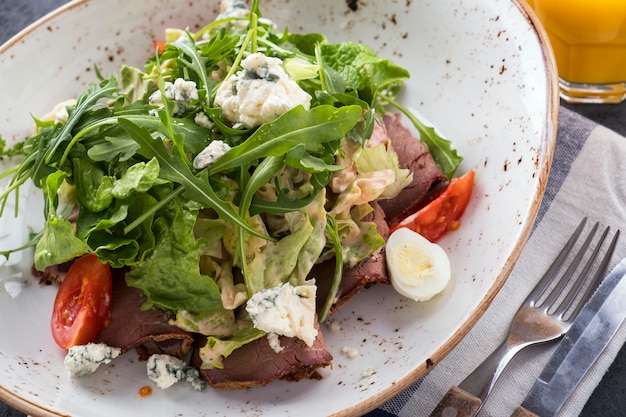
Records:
x=597, y=278
x=552, y=271
x=561, y=308
x=567, y=275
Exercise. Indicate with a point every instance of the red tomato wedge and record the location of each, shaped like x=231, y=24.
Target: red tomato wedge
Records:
x=82, y=306
x=443, y=213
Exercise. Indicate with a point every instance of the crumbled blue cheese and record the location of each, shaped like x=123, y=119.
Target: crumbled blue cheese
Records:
x=181, y=92
x=368, y=372
x=285, y=310
x=350, y=352
x=333, y=325
x=274, y=340
x=259, y=93
x=210, y=154
x=85, y=359
x=202, y=120
x=165, y=371
x=13, y=285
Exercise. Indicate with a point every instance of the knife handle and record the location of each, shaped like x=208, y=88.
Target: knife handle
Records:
x=457, y=403
x=522, y=412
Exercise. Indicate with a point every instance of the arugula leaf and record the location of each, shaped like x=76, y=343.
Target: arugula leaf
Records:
x=175, y=170
x=33, y=148
x=219, y=47
x=311, y=128
x=93, y=185
x=333, y=232
x=262, y=174
x=17, y=149
x=446, y=156
x=285, y=203
x=86, y=102
x=191, y=59
x=298, y=157
x=120, y=148
x=196, y=137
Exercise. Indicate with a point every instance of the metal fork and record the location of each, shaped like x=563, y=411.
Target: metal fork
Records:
x=545, y=315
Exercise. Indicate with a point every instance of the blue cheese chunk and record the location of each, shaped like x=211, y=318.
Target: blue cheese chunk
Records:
x=285, y=310
x=259, y=93
x=85, y=359
x=274, y=341
x=181, y=92
x=166, y=370
x=210, y=154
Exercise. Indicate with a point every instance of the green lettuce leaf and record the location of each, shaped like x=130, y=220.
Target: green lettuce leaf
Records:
x=58, y=244
x=291, y=258
x=170, y=277
x=139, y=178
x=381, y=157
x=359, y=239
x=215, y=350
x=362, y=69
x=92, y=184
x=220, y=324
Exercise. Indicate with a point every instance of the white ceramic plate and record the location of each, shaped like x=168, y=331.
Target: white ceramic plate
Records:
x=481, y=72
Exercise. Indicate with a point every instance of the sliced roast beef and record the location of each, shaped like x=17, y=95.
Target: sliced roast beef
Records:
x=369, y=271
x=148, y=331
x=256, y=363
x=413, y=155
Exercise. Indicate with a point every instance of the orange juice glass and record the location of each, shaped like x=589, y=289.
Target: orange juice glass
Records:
x=588, y=38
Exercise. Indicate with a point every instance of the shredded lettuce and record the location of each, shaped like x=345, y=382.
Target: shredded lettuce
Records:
x=215, y=350
x=382, y=158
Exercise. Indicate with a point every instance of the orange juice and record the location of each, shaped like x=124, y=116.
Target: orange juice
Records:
x=588, y=38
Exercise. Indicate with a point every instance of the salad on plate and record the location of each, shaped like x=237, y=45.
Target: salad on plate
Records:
x=212, y=208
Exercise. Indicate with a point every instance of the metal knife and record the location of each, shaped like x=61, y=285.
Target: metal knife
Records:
x=593, y=329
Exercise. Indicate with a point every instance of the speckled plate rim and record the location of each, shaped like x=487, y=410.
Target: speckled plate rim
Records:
x=547, y=144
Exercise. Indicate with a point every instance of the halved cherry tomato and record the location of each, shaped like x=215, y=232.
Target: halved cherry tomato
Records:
x=442, y=214
x=82, y=306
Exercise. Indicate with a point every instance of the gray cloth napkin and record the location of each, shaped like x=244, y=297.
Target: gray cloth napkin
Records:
x=585, y=180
